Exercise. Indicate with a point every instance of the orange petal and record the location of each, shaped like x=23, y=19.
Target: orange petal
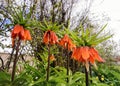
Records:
x=66, y=42
x=46, y=37
x=81, y=59
x=100, y=59
x=13, y=35
x=53, y=37
x=91, y=59
x=76, y=54
x=13, y=42
x=22, y=34
x=52, y=58
x=95, y=55
x=85, y=52
x=27, y=35
x=71, y=46
x=16, y=30
x=61, y=43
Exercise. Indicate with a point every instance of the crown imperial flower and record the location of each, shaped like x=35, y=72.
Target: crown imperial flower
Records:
x=50, y=37
x=20, y=33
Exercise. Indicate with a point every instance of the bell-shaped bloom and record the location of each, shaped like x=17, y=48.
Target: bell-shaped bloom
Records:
x=52, y=58
x=94, y=56
x=50, y=37
x=17, y=31
x=85, y=55
x=66, y=42
x=20, y=33
x=27, y=35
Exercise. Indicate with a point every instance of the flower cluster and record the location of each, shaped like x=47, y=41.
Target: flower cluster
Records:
x=86, y=54
x=50, y=37
x=66, y=42
x=20, y=33
x=82, y=54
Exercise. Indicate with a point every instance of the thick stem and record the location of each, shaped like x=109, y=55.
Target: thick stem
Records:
x=67, y=55
x=48, y=67
x=68, y=65
x=90, y=72
x=86, y=77
x=9, y=61
x=15, y=61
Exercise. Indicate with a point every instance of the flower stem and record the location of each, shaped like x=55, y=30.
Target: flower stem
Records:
x=67, y=66
x=48, y=67
x=90, y=72
x=15, y=61
x=68, y=60
x=86, y=77
x=11, y=56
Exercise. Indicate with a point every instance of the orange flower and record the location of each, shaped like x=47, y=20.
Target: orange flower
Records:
x=19, y=32
x=94, y=56
x=85, y=55
x=50, y=37
x=52, y=58
x=66, y=42
x=27, y=35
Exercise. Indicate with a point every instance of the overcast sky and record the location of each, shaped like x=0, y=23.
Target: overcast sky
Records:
x=111, y=9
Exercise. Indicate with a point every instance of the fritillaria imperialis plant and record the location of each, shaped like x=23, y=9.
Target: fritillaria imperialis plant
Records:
x=67, y=43
x=85, y=52
x=50, y=38
x=19, y=33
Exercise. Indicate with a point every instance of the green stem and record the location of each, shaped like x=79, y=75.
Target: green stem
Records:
x=15, y=61
x=48, y=67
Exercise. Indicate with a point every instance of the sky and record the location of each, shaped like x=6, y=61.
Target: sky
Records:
x=107, y=11
x=111, y=9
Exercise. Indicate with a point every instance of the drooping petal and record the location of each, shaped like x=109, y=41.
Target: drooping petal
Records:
x=85, y=52
x=13, y=35
x=92, y=60
x=16, y=30
x=100, y=59
x=53, y=38
x=13, y=42
x=66, y=42
x=95, y=55
x=50, y=37
x=22, y=34
x=71, y=46
x=87, y=65
x=27, y=35
x=52, y=58
x=46, y=37
x=75, y=54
